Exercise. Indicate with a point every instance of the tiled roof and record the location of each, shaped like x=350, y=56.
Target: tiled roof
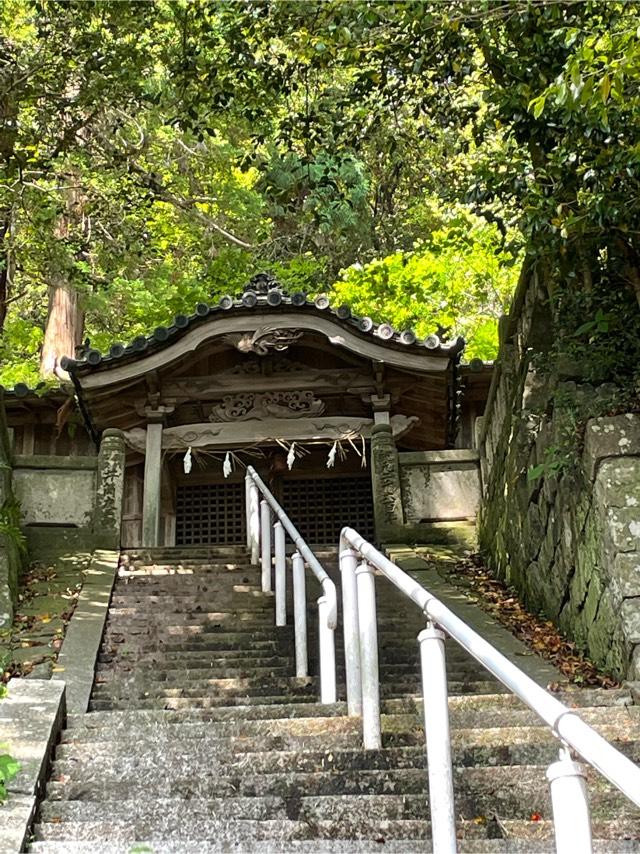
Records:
x=262, y=292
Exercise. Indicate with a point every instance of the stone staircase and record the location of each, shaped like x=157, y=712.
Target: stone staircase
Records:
x=199, y=739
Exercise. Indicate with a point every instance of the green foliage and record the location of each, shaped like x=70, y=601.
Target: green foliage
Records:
x=156, y=155
x=10, y=517
x=458, y=280
x=9, y=768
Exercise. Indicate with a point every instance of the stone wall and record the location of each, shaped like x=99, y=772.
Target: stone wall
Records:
x=10, y=554
x=71, y=503
x=569, y=540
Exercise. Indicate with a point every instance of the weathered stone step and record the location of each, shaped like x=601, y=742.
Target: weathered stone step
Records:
x=183, y=678
x=193, y=810
x=151, y=717
x=204, y=570
x=195, y=620
x=193, y=661
x=163, y=670
x=520, y=841
x=178, y=726
x=301, y=727
x=504, y=746
x=356, y=812
x=187, y=600
x=230, y=641
x=202, y=696
x=181, y=703
x=236, y=632
x=285, y=684
x=508, y=791
x=469, y=708
x=571, y=697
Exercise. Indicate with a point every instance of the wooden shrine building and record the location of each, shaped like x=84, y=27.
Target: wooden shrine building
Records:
x=350, y=422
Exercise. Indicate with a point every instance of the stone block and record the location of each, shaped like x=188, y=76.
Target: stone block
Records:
x=630, y=618
x=625, y=578
x=56, y=496
x=615, y=436
x=621, y=532
x=440, y=491
x=618, y=484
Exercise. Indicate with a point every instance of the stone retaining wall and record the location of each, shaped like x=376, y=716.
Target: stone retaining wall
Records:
x=569, y=541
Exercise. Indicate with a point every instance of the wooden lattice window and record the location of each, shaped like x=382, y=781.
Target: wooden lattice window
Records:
x=321, y=507
x=210, y=514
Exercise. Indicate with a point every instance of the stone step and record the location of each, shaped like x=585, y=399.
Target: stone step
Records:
x=488, y=746
x=520, y=840
x=195, y=620
x=235, y=689
x=194, y=660
x=359, y=812
x=240, y=728
x=504, y=722
x=181, y=703
x=466, y=710
x=183, y=678
x=151, y=717
x=508, y=791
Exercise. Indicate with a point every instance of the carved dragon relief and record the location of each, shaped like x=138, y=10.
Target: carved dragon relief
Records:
x=264, y=340
x=272, y=404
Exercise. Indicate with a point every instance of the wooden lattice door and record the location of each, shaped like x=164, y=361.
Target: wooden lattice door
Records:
x=210, y=514
x=321, y=507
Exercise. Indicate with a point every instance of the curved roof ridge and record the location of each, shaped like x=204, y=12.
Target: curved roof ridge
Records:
x=261, y=291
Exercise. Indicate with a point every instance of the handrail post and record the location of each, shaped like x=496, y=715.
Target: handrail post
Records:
x=368, y=631
x=436, y=727
x=348, y=564
x=281, y=574
x=248, y=480
x=254, y=522
x=300, y=614
x=265, y=545
x=570, y=802
x=327, y=652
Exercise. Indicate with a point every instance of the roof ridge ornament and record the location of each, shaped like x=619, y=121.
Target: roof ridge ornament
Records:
x=262, y=283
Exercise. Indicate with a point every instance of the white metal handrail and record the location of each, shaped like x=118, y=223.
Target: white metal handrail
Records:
x=260, y=528
x=567, y=778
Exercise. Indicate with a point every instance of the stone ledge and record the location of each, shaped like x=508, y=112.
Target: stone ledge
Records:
x=49, y=461
x=16, y=816
x=458, y=455
x=79, y=653
x=31, y=718
x=617, y=436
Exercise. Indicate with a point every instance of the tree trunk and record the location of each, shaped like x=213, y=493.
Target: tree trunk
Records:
x=64, y=328
x=5, y=259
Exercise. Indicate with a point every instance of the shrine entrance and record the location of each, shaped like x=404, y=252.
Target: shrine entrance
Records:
x=214, y=513
x=320, y=402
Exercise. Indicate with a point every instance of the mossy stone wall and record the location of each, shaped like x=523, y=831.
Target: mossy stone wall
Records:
x=569, y=541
